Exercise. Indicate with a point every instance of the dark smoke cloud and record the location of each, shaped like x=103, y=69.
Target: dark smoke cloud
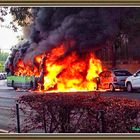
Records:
x=88, y=27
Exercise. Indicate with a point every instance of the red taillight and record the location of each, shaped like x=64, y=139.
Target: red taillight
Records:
x=115, y=79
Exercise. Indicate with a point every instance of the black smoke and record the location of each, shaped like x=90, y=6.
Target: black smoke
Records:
x=87, y=27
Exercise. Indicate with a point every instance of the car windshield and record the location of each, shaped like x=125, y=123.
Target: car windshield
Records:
x=122, y=73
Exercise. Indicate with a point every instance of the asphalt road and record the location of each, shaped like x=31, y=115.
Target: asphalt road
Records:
x=8, y=98
x=121, y=94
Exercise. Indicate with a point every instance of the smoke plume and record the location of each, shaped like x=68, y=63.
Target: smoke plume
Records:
x=79, y=28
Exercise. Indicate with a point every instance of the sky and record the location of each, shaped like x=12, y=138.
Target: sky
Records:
x=8, y=37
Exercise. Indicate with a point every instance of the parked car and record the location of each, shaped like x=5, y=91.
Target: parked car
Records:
x=133, y=82
x=3, y=76
x=112, y=79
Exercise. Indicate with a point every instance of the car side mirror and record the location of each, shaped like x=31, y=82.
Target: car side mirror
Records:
x=135, y=75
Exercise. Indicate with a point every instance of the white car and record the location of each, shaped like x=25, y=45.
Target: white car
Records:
x=133, y=82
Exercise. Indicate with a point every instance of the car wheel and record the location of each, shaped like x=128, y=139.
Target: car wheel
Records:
x=129, y=87
x=111, y=87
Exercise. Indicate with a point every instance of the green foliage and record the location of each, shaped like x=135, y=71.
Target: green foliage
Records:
x=1, y=66
x=21, y=15
x=3, y=57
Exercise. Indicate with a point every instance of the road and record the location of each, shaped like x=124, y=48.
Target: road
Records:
x=8, y=98
x=120, y=94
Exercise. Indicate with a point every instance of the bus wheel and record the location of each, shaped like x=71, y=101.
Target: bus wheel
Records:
x=13, y=85
x=15, y=88
x=31, y=85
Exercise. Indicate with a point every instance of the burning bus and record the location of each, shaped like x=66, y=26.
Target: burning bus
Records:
x=54, y=72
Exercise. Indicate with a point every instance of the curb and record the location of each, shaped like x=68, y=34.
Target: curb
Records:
x=3, y=131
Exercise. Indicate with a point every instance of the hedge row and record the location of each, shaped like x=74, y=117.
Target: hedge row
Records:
x=79, y=113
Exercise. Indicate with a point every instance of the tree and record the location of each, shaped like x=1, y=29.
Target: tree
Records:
x=21, y=16
x=128, y=25
x=3, y=56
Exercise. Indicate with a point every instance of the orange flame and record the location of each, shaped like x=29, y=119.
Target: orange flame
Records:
x=63, y=72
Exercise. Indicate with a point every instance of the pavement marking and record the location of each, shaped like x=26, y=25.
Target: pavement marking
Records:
x=6, y=107
x=4, y=97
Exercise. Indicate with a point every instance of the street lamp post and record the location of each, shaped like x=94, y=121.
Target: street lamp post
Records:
x=18, y=118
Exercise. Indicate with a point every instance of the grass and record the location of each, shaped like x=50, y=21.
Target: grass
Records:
x=2, y=66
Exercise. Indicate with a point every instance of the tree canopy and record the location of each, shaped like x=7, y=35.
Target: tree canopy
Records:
x=21, y=16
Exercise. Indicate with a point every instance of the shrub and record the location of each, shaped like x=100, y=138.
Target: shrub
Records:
x=78, y=113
